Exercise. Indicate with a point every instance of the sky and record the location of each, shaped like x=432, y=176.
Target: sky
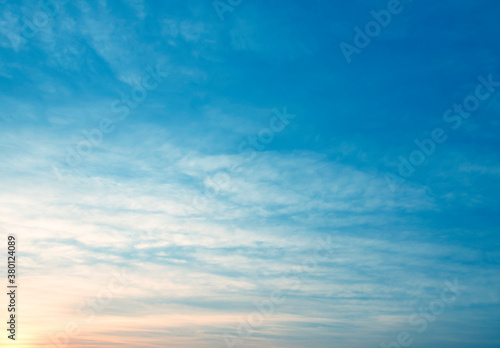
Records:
x=243, y=173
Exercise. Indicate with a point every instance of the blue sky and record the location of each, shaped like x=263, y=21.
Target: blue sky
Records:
x=203, y=223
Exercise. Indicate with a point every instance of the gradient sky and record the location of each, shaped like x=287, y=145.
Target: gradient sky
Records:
x=169, y=228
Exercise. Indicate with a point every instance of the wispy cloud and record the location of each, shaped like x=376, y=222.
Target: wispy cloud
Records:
x=195, y=271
